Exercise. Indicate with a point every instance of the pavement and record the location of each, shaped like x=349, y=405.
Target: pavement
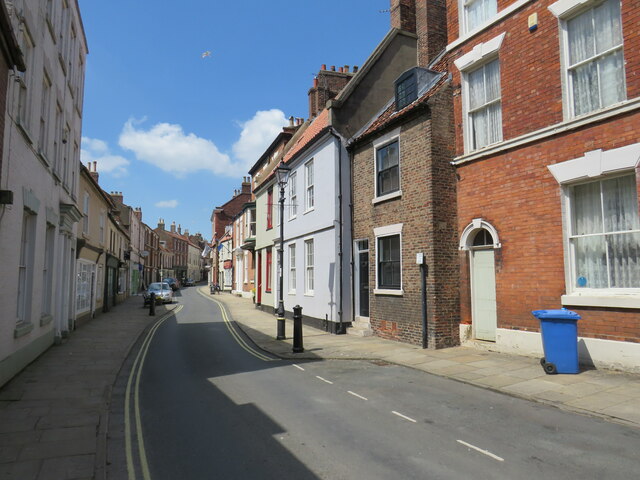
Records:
x=54, y=414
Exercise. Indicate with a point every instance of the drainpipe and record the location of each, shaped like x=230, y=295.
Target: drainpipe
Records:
x=341, y=329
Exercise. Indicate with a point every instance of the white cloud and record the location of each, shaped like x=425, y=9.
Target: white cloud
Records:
x=169, y=148
x=94, y=150
x=167, y=204
x=257, y=134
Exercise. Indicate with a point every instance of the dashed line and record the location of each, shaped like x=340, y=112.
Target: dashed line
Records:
x=298, y=367
x=485, y=452
x=356, y=395
x=324, y=380
x=403, y=416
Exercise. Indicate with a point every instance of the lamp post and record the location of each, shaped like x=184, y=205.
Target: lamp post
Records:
x=282, y=176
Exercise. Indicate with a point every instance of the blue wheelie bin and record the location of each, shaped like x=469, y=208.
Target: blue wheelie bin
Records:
x=559, y=330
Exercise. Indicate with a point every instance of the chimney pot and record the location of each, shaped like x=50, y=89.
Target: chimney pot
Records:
x=333, y=68
x=291, y=121
x=339, y=69
x=355, y=69
x=323, y=67
x=315, y=82
x=346, y=69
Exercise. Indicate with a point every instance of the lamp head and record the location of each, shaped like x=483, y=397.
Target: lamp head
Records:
x=282, y=174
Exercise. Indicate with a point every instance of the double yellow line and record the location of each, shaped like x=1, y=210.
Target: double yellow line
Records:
x=235, y=334
x=136, y=372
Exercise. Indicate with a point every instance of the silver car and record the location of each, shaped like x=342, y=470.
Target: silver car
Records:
x=162, y=291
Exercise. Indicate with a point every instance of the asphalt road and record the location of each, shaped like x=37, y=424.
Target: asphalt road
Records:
x=201, y=402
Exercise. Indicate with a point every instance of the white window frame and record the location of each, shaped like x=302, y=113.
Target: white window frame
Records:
x=293, y=195
x=594, y=165
x=566, y=10
x=381, y=232
x=85, y=213
x=309, y=265
x=26, y=265
x=47, y=270
x=309, y=194
x=84, y=286
x=463, y=16
x=102, y=224
x=292, y=269
x=480, y=55
x=379, y=143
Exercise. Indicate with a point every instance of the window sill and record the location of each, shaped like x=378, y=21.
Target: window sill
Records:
x=291, y=292
x=309, y=210
x=388, y=196
x=309, y=294
x=22, y=329
x=388, y=291
x=45, y=319
x=555, y=129
x=612, y=301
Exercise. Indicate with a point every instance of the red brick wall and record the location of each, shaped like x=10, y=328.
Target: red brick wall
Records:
x=516, y=193
x=530, y=68
x=427, y=212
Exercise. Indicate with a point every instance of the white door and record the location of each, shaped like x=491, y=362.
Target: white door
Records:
x=483, y=289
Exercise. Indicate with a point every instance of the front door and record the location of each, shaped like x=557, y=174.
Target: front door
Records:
x=484, y=294
x=362, y=278
x=259, y=277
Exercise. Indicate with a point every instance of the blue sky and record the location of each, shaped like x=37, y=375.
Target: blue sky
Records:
x=176, y=130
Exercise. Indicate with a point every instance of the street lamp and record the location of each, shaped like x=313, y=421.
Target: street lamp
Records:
x=282, y=176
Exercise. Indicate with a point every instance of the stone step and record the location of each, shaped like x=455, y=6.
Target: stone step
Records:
x=360, y=330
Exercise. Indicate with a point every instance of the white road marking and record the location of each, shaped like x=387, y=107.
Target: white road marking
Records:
x=356, y=395
x=298, y=367
x=324, y=380
x=403, y=416
x=486, y=452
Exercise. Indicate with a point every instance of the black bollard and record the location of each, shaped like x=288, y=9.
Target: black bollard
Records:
x=297, y=329
x=152, y=304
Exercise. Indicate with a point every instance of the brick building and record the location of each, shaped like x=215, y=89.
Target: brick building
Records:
x=404, y=196
x=547, y=117
x=221, y=218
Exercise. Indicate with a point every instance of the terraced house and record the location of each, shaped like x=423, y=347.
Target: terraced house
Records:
x=40, y=175
x=547, y=115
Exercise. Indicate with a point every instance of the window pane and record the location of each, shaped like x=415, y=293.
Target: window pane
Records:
x=476, y=89
x=608, y=30
x=611, y=70
x=620, y=204
x=624, y=259
x=591, y=262
x=587, y=209
x=581, y=42
x=492, y=80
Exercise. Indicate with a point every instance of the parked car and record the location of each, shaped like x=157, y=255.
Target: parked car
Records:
x=162, y=291
x=189, y=282
x=173, y=283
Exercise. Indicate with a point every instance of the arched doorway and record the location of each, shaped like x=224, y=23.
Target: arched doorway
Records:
x=481, y=240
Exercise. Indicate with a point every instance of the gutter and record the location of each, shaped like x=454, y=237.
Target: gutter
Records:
x=341, y=329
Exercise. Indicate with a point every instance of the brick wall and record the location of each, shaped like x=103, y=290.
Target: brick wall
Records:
x=517, y=194
x=514, y=190
x=530, y=70
x=427, y=212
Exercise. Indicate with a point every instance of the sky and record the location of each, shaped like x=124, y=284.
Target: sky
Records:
x=182, y=98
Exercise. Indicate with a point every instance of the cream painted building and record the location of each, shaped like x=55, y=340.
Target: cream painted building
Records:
x=40, y=167
x=95, y=206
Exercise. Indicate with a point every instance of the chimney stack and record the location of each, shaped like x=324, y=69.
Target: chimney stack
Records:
x=93, y=172
x=326, y=86
x=160, y=224
x=117, y=197
x=431, y=28
x=403, y=15
x=179, y=229
x=173, y=227
x=246, y=185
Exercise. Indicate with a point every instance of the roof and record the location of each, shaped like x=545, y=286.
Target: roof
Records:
x=315, y=129
x=389, y=115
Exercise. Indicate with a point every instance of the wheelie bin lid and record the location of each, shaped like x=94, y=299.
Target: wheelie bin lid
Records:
x=561, y=314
